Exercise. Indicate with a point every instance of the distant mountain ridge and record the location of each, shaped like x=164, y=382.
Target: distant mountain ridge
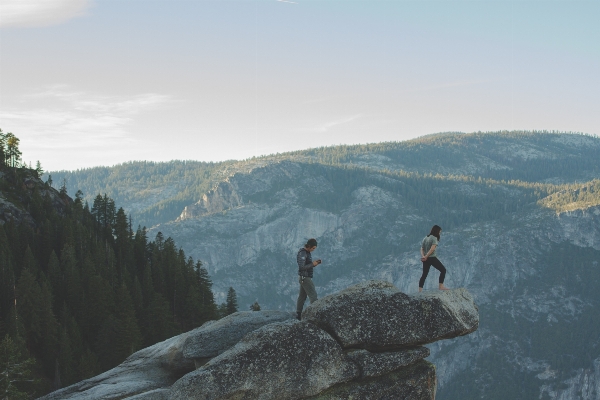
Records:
x=157, y=192
x=520, y=213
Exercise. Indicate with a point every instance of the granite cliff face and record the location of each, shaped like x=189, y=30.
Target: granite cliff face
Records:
x=21, y=191
x=271, y=355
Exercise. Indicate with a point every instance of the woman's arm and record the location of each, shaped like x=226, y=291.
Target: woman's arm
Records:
x=431, y=250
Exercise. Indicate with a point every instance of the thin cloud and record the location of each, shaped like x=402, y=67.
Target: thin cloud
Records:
x=30, y=13
x=95, y=127
x=98, y=103
x=287, y=1
x=327, y=126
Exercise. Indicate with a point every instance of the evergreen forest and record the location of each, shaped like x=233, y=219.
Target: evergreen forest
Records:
x=81, y=289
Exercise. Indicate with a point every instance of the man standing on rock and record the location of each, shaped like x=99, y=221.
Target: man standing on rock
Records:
x=305, y=271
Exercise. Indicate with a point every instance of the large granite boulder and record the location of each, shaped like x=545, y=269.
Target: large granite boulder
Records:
x=414, y=382
x=285, y=360
x=378, y=364
x=375, y=315
x=154, y=367
x=213, y=338
x=361, y=343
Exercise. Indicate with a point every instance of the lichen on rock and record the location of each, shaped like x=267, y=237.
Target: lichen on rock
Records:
x=382, y=317
x=212, y=339
x=284, y=360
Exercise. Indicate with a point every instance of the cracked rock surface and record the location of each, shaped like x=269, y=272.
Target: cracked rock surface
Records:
x=284, y=360
x=212, y=339
x=382, y=317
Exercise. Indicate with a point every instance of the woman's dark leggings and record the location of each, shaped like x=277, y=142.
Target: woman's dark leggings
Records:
x=437, y=264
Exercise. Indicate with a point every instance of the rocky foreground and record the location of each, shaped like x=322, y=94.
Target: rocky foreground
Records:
x=364, y=342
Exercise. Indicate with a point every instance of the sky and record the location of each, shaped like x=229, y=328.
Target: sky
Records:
x=87, y=83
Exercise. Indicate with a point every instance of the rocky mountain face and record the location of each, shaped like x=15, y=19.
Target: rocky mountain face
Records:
x=532, y=270
x=23, y=194
x=373, y=352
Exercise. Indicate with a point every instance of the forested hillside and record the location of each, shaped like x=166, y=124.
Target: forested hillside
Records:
x=154, y=193
x=81, y=288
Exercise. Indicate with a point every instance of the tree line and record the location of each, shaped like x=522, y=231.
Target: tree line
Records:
x=81, y=289
x=176, y=184
x=10, y=154
x=160, y=191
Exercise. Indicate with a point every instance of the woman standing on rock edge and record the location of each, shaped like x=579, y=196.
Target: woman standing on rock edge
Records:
x=429, y=257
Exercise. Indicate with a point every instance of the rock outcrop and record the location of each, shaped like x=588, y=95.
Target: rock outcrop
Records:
x=215, y=337
x=392, y=319
x=378, y=364
x=18, y=189
x=286, y=360
x=147, y=372
x=417, y=381
x=360, y=343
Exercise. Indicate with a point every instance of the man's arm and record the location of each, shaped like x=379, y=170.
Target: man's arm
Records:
x=302, y=265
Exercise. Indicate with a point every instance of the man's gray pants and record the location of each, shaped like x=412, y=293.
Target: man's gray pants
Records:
x=307, y=288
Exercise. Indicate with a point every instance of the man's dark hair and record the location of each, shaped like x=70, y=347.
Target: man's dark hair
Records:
x=435, y=231
x=311, y=243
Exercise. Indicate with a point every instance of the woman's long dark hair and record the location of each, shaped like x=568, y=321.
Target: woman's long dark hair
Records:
x=435, y=231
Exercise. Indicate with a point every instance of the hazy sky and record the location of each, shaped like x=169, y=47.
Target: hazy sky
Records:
x=86, y=83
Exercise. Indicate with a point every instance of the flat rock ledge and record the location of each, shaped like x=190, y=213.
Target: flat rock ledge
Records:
x=375, y=315
x=361, y=343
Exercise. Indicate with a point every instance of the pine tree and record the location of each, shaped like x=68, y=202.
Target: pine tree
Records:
x=6, y=276
x=128, y=338
x=2, y=148
x=158, y=321
x=55, y=278
x=63, y=188
x=28, y=304
x=15, y=371
x=209, y=306
x=66, y=361
x=222, y=310
x=97, y=207
x=104, y=345
x=12, y=150
x=232, y=304
x=73, y=284
x=122, y=241
x=89, y=365
x=39, y=171
x=49, y=329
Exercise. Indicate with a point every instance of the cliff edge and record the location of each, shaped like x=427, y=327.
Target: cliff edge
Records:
x=362, y=342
